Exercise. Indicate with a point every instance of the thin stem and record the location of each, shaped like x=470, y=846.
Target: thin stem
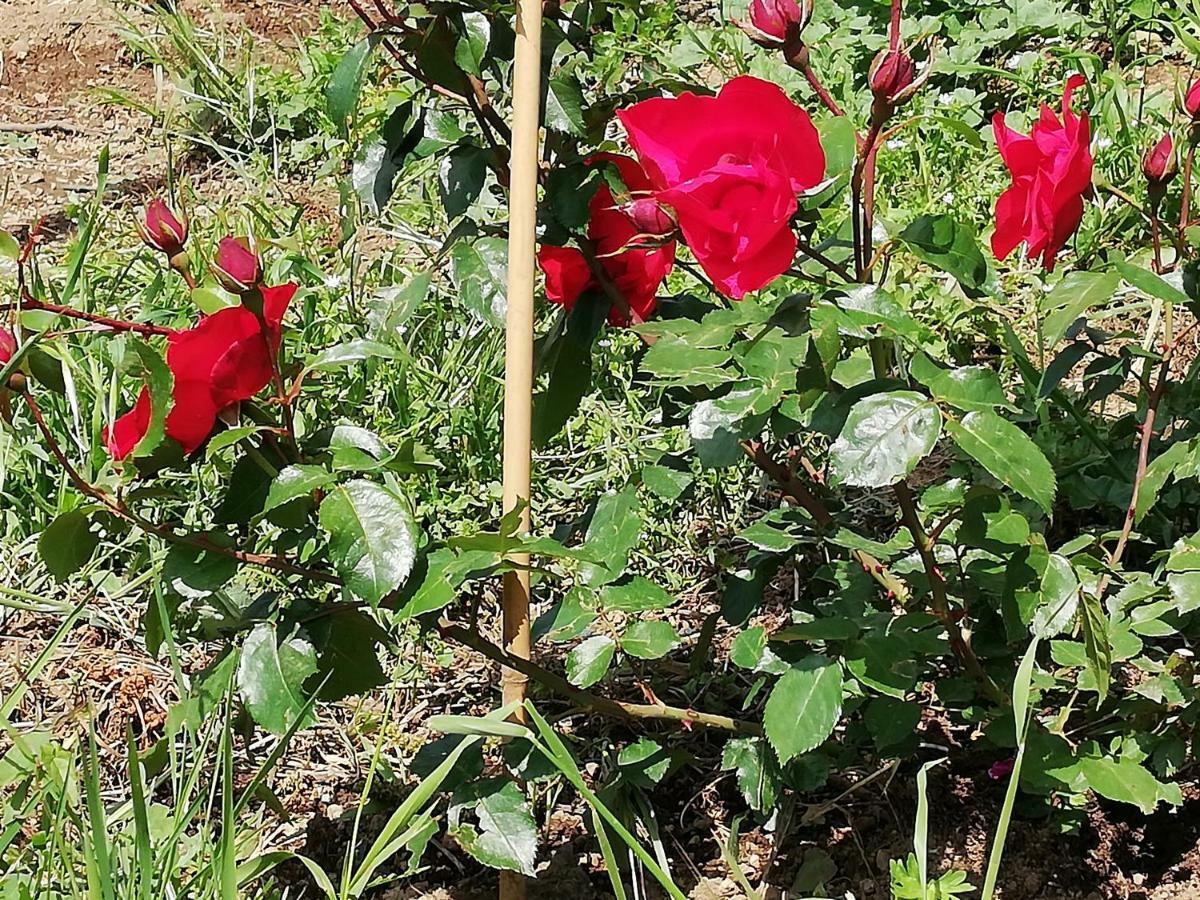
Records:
x=799, y=494
x=813, y=253
x=819, y=89
x=940, y=601
x=165, y=532
x=1185, y=203
x=29, y=302
x=585, y=699
x=861, y=165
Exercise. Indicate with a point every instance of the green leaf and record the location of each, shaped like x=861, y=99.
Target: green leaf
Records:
x=1059, y=598
x=68, y=543
x=160, y=383
x=373, y=538
x=1073, y=297
x=245, y=493
x=884, y=438
x=666, y=483
x=636, y=595
x=757, y=773
x=645, y=761
x=615, y=529
x=229, y=438
x=507, y=834
x=650, y=640
x=373, y=174
x=392, y=306
x=296, y=481
x=564, y=105
x=348, y=657
x=1154, y=285
x=1008, y=454
x=891, y=721
x=588, y=662
x=749, y=650
x=804, y=707
x=471, y=50
x=570, y=368
x=341, y=94
x=9, y=247
x=950, y=246
x=566, y=620
x=349, y=353
x=271, y=675
x=1157, y=474
x=1125, y=781
x=480, y=270
x=966, y=387
x=194, y=573
x=1096, y=641
x=461, y=177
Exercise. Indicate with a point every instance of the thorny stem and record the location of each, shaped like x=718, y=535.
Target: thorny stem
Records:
x=799, y=494
x=864, y=172
x=939, y=600
x=593, y=702
x=165, y=532
x=29, y=302
x=819, y=89
x=1139, y=475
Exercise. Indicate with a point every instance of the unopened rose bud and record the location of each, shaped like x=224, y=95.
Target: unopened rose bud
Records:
x=1159, y=163
x=649, y=217
x=17, y=382
x=1191, y=102
x=782, y=20
x=236, y=267
x=892, y=74
x=161, y=229
x=8, y=346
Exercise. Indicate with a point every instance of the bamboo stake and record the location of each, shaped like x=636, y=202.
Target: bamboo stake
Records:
x=518, y=353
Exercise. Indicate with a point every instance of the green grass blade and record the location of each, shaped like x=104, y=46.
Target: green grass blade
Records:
x=98, y=859
x=143, y=852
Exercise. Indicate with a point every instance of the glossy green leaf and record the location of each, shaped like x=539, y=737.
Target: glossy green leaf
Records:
x=1059, y=598
x=803, y=707
x=884, y=438
x=341, y=94
x=637, y=595
x=373, y=538
x=1008, y=454
x=615, y=529
x=1072, y=297
x=650, y=639
x=587, y=663
x=756, y=771
x=507, y=834
x=271, y=676
x=296, y=481
x=950, y=246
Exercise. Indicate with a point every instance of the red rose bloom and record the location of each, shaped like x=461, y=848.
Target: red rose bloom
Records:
x=1051, y=171
x=731, y=167
x=8, y=346
x=636, y=272
x=224, y=359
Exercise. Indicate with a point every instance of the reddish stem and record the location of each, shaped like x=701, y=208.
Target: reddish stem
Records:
x=29, y=302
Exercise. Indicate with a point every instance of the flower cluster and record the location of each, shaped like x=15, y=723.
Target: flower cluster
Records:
x=226, y=358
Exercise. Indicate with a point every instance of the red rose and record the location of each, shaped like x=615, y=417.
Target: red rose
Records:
x=636, y=272
x=1191, y=101
x=161, y=229
x=1051, y=171
x=731, y=167
x=224, y=359
x=8, y=346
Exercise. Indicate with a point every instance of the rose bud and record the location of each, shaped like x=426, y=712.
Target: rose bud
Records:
x=236, y=267
x=1159, y=165
x=1191, y=102
x=161, y=230
x=650, y=218
x=891, y=75
x=8, y=346
x=782, y=20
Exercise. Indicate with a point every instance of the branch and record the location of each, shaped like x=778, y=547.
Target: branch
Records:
x=799, y=494
x=940, y=602
x=28, y=302
x=165, y=532
x=593, y=702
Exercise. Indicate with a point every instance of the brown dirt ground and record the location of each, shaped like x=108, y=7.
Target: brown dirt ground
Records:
x=54, y=57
